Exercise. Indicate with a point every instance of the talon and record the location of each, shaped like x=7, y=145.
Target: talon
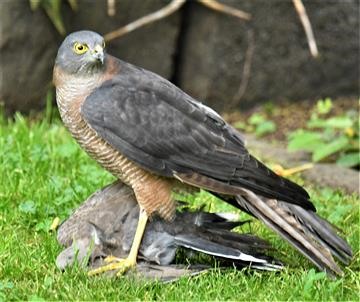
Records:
x=122, y=265
x=111, y=258
x=126, y=266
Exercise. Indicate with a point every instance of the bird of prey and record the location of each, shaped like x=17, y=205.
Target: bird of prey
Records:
x=105, y=225
x=155, y=138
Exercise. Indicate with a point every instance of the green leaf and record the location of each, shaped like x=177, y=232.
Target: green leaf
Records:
x=66, y=150
x=73, y=4
x=340, y=212
x=324, y=106
x=43, y=225
x=240, y=125
x=34, y=4
x=349, y=160
x=6, y=285
x=311, y=278
x=48, y=281
x=256, y=119
x=28, y=207
x=325, y=150
x=304, y=140
x=316, y=123
x=53, y=10
x=264, y=128
x=340, y=122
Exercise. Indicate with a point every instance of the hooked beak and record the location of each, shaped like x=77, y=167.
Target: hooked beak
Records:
x=98, y=53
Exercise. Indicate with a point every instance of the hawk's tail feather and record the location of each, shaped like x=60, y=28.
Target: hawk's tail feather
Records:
x=306, y=231
x=311, y=235
x=324, y=232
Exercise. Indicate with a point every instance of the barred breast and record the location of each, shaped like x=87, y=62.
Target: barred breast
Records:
x=70, y=95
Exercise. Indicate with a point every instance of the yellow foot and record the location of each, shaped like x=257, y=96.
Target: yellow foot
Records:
x=122, y=265
x=279, y=170
x=112, y=258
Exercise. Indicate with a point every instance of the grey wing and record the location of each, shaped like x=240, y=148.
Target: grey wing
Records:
x=163, y=130
x=161, y=136
x=206, y=233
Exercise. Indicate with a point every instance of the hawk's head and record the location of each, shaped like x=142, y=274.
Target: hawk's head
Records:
x=82, y=53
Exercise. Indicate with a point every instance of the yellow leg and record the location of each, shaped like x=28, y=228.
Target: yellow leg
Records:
x=124, y=265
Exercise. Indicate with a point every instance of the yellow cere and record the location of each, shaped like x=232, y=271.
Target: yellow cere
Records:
x=80, y=48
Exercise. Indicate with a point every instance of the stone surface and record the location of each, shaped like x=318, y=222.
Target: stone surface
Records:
x=214, y=47
x=28, y=45
x=322, y=174
x=209, y=59
x=29, y=41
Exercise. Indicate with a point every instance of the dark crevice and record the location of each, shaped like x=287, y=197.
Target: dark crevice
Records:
x=180, y=44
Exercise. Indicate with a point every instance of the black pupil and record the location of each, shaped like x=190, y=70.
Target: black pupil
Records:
x=80, y=47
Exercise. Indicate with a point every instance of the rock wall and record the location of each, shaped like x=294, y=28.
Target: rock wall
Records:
x=215, y=46
x=202, y=51
x=29, y=42
x=28, y=45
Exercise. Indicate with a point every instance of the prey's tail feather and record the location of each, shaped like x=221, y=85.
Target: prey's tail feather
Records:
x=245, y=242
x=216, y=227
x=311, y=235
x=211, y=220
x=215, y=249
x=211, y=234
x=247, y=255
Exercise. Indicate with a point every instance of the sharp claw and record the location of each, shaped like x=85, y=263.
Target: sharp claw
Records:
x=112, y=258
x=122, y=265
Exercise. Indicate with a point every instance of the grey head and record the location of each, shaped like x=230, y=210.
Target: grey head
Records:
x=81, y=53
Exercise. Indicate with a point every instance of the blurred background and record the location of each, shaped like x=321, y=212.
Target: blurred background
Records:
x=227, y=62
x=285, y=70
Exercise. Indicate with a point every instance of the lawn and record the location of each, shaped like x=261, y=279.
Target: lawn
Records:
x=44, y=174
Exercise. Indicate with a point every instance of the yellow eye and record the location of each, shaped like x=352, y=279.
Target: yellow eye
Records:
x=80, y=48
x=103, y=44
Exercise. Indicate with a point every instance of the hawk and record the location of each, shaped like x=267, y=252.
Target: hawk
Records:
x=155, y=138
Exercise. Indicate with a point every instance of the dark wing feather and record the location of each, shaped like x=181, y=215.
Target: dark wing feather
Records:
x=165, y=131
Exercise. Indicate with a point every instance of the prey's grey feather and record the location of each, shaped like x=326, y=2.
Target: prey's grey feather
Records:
x=105, y=225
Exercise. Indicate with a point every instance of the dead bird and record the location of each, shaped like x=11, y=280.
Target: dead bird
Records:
x=104, y=225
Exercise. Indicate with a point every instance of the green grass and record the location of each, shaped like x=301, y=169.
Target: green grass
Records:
x=44, y=174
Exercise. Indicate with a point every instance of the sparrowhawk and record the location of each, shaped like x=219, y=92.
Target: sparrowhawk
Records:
x=156, y=138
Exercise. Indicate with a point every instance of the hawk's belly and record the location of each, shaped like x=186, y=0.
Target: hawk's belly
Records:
x=157, y=199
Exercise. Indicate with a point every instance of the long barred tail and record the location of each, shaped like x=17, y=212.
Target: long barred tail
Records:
x=313, y=236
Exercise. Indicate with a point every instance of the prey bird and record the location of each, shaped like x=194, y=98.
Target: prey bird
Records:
x=104, y=226
x=155, y=138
